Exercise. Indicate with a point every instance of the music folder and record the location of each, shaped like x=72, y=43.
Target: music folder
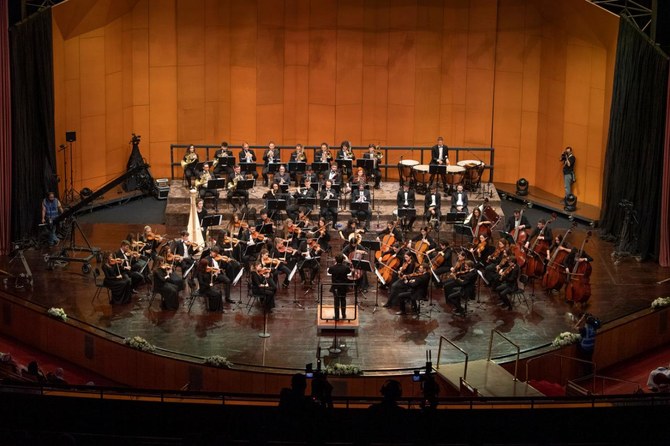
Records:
x=333, y=203
x=319, y=167
x=216, y=184
x=464, y=230
x=359, y=206
x=283, y=188
x=437, y=168
x=211, y=220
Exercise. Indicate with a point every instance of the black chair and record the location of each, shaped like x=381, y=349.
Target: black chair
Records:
x=519, y=295
x=99, y=286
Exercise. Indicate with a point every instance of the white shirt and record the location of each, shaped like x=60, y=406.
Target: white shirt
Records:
x=459, y=201
x=433, y=202
x=406, y=199
x=185, y=256
x=440, y=148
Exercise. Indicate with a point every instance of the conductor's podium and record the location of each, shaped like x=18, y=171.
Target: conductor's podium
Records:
x=325, y=319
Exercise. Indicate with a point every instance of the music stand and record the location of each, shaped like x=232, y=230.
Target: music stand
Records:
x=336, y=187
x=274, y=167
x=307, y=201
x=332, y=203
x=456, y=217
x=216, y=185
x=248, y=167
x=283, y=188
x=361, y=206
x=226, y=161
x=211, y=220
x=245, y=184
x=275, y=206
x=462, y=230
x=344, y=165
x=371, y=245
x=297, y=166
x=366, y=163
x=507, y=236
x=319, y=167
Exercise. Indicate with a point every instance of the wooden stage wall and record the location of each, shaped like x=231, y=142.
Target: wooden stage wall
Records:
x=527, y=77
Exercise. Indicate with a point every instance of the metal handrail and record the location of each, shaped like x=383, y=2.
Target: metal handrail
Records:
x=175, y=162
x=518, y=350
x=584, y=361
x=439, y=353
x=602, y=380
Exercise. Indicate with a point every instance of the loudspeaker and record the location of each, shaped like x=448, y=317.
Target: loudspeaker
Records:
x=70, y=136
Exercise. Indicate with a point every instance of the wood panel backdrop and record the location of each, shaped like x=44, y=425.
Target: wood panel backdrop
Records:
x=527, y=77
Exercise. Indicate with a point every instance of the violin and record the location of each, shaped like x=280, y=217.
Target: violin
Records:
x=151, y=236
x=115, y=261
x=259, y=237
x=221, y=258
x=481, y=247
x=211, y=269
x=166, y=266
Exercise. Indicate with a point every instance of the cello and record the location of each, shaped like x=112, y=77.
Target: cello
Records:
x=519, y=235
x=386, y=243
x=579, y=285
x=535, y=259
x=554, y=277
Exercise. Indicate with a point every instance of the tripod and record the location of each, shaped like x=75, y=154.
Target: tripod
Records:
x=69, y=193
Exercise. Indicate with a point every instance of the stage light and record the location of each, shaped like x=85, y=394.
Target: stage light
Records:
x=570, y=203
x=86, y=192
x=529, y=204
x=522, y=187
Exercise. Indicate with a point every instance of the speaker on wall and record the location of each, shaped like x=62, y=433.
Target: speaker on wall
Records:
x=70, y=136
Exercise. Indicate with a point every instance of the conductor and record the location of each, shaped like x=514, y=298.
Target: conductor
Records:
x=339, y=272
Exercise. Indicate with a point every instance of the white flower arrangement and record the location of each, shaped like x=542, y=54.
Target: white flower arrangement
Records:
x=566, y=338
x=139, y=343
x=343, y=369
x=660, y=302
x=57, y=313
x=218, y=361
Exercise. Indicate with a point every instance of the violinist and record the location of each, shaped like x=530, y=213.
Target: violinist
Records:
x=236, y=225
x=416, y=288
x=130, y=266
x=432, y=206
x=465, y=288
x=398, y=286
x=508, y=282
x=285, y=253
x=222, y=167
x=219, y=272
x=482, y=250
x=310, y=252
x=163, y=285
x=298, y=156
x=270, y=156
x=264, y=286
x=233, y=189
x=375, y=154
x=361, y=195
x=340, y=277
x=246, y=250
x=291, y=233
x=406, y=200
x=276, y=266
x=494, y=260
x=459, y=200
x=322, y=235
x=151, y=242
x=265, y=224
x=303, y=221
x=351, y=228
x=118, y=284
x=172, y=260
x=185, y=249
x=517, y=221
x=450, y=282
x=328, y=193
x=206, y=275
x=189, y=162
x=273, y=195
x=248, y=155
x=302, y=192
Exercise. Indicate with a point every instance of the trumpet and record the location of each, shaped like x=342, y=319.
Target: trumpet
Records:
x=326, y=156
x=271, y=155
x=189, y=159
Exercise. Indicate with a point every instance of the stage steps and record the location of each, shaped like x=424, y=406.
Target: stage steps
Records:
x=488, y=378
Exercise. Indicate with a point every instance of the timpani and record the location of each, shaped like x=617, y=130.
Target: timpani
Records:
x=421, y=177
x=406, y=172
x=473, y=174
x=455, y=175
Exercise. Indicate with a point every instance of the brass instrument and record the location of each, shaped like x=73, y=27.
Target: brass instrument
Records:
x=378, y=153
x=189, y=159
x=204, y=178
x=347, y=154
x=220, y=154
x=301, y=157
x=233, y=184
x=248, y=156
x=326, y=156
x=271, y=156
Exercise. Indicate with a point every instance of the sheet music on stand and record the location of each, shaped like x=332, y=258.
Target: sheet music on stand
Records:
x=453, y=218
x=306, y=201
x=283, y=188
x=371, y=245
x=507, y=236
x=212, y=220
x=406, y=212
x=277, y=205
x=226, y=161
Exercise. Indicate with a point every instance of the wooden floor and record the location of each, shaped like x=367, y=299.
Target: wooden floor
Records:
x=382, y=341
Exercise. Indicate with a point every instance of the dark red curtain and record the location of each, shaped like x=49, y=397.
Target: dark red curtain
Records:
x=664, y=254
x=5, y=133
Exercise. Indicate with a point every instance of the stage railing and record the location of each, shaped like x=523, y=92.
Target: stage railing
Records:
x=422, y=154
x=518, y=350
x=465, y=354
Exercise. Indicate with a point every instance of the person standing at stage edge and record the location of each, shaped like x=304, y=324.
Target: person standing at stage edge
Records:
x=568, y=159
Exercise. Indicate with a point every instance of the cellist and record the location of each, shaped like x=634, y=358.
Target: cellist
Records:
x=422, y=243
x=440, y=259
x=558, y=251
x=391, y=228
x=408, y=266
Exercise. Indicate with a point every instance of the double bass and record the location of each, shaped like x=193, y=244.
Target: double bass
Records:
x=578, y=289
x=535, y=259
x=519, y=235
x=554, y=277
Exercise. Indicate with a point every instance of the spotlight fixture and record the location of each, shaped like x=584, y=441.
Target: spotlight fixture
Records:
x=522, y=187
x=86, y=192
x=529, y=204
x=570, y=203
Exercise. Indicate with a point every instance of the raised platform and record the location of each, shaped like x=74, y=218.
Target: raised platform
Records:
x=325, y=319
x=383, y=203
x=537, y=197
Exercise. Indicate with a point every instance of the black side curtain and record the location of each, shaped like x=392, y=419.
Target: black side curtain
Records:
x=634, y=156
x=33, y=155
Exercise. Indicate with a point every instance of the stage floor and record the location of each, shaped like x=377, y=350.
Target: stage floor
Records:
x=383, y=340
